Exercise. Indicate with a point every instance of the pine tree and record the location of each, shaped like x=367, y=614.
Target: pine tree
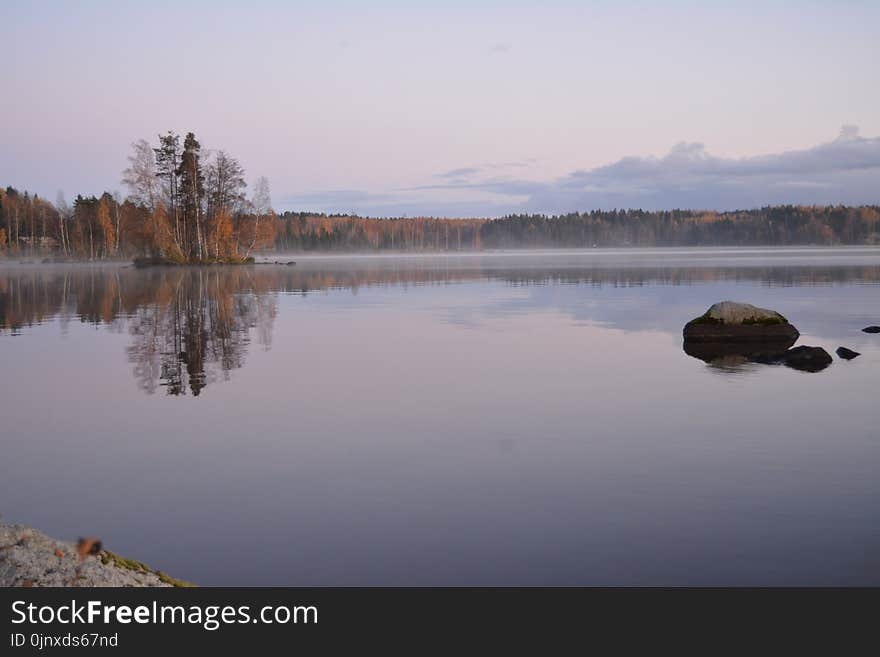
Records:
x=192, y=190
x=167, y=164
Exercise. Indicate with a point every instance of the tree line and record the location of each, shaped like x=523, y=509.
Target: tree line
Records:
x=776, y=225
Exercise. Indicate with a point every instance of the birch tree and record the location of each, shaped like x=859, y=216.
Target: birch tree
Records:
x=141, y=176
x=65, y=214
x=261, y=206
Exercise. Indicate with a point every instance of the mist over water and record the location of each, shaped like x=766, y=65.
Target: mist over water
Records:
x=504, y=418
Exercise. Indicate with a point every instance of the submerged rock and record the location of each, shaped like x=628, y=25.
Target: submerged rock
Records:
x=730, y=321
x=871, y=329
x=847, y=354
x=807, y=359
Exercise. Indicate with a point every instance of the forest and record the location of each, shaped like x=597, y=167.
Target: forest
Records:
x=778, y=225
x=187, y=205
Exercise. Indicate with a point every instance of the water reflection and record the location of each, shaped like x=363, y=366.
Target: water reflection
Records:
x=735, y=356
x=196, y=326
x=443, y=422
x=729, y=355
x=190, y=327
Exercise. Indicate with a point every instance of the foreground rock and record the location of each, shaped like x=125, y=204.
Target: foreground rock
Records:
x=30, y=558
x=807, y=359
x=731, y=321
x=871, y=329
x=847, y=354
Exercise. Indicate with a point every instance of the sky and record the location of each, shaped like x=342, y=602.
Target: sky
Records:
x=453, y=108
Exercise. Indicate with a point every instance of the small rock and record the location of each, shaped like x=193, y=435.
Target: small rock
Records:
x=847, y=354
x=871, y=329
x=807, y=359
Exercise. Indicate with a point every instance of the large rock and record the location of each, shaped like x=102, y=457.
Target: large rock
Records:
x=807, y=359
x=871, y=329
x=730, y=321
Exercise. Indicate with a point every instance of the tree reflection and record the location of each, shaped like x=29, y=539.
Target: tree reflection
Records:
x=192, y=326
x=189, y=326
x=197, y=328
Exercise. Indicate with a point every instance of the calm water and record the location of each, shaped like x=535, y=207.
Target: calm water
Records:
x=496, y=419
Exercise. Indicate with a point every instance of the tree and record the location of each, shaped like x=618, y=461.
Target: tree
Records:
x=104, y=224
x=84, y=221
x=261, y=207
x=141, y=175
x=2, y=221
x=12, y=213
x=192, y=189
x=224, y=190
x=167, y=164
x=65, y=214
x=224, y=184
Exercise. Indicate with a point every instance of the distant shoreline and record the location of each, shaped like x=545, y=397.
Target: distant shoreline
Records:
x=200, y=231
x=282, y=258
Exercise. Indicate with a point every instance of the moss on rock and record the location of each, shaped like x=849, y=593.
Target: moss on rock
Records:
x=111, y=558
x=764, y=321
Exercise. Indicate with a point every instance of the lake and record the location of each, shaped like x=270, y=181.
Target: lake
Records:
x=488, y=419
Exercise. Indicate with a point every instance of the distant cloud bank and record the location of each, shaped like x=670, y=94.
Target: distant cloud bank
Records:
x=844, y=170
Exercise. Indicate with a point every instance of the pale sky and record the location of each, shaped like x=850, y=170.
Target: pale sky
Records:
x=473, y=108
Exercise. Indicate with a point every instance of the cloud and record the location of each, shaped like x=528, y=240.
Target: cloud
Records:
x=397, y=203
x=463, y=172
x=843, y=170
x=499, y=47
x=513, y=165
x=339, y=199
x=847, y=152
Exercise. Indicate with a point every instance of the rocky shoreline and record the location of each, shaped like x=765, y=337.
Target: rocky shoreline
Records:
x=28, y=557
